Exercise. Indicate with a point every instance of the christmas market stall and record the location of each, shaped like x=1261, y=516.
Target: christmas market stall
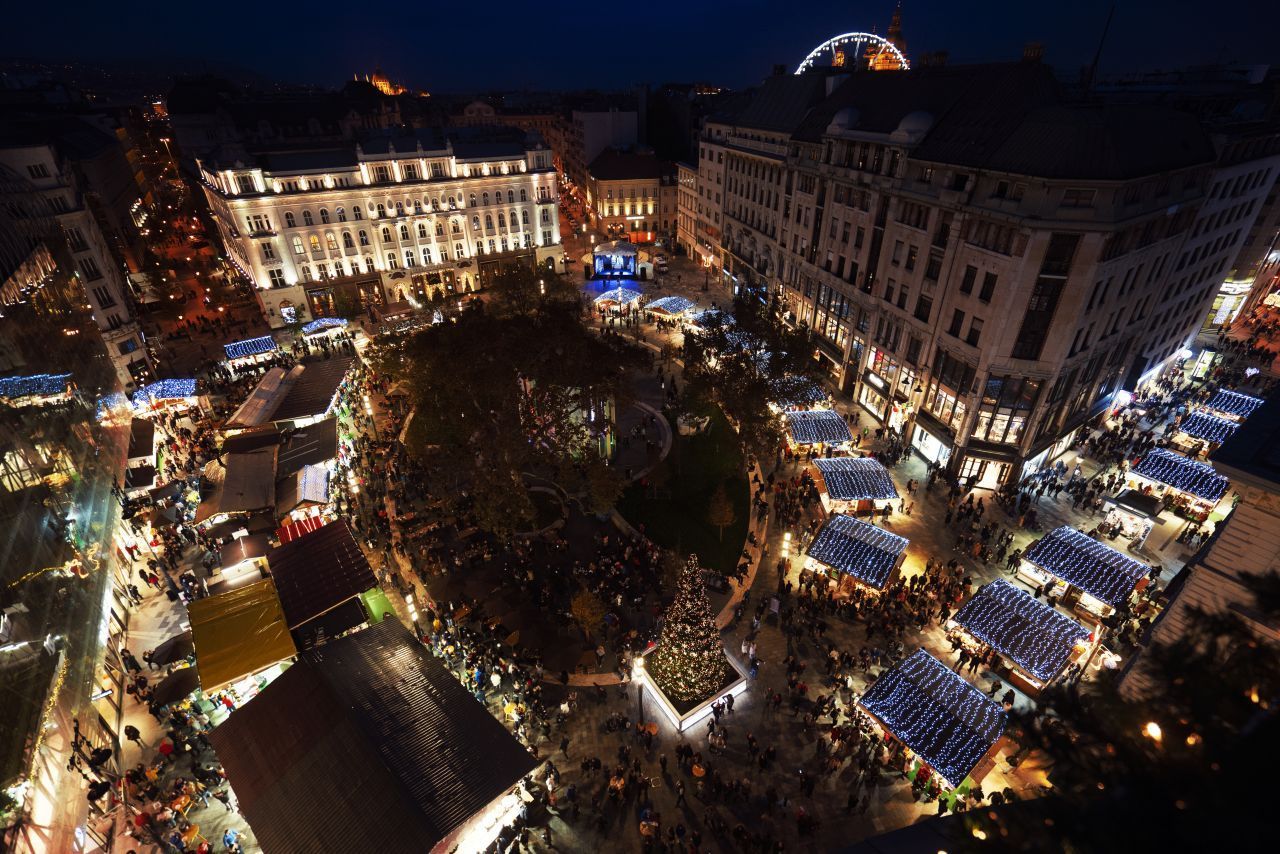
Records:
x=616, y=298
x=301, y=396
x=35, y=390
x=321, y=578
x=1201, y=431
x=1191, y=489
x=251, y=351
x=855, y=485
x=670, y=307
x=241, y=639
x=820, y=430
x=165, y=396
x=849, y=551
x=1078, y=571
x=1233, y=404
x=791, y=392
x=1035, y=641
x=370, y=743
x=324, y=327
x=944, y=725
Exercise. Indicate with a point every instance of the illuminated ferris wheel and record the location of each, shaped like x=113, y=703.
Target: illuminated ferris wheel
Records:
x=856, y=50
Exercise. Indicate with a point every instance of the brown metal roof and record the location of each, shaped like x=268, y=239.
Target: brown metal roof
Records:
x=319, y=571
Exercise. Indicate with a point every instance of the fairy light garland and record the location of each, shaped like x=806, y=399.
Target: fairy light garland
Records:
x=712, y=317
x=164, y=390
x=43, y=385
x=1211, y=428
x=864, y=551
x=856, y=479
x=1234, y=403
x=813, y=427
x=1184, y=475
x=621, y=296
x=1081, y=561
x=797, y=391
x=249, y=347
x=1034, y=636
x=946, y=721
x=671, y=305
x=320, y=324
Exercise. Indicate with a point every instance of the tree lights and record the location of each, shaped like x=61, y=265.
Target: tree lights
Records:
x=949, y=723
x=856, y=479
x=1211, y=428
x=689, y=663
x=811, y=428
x=1099, y=570
x=864, y=551
x=1034, y=636
x=1184, y=475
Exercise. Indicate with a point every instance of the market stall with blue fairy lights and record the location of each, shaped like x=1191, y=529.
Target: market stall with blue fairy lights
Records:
x=323, y=327
x=670, y=307
x=849, y=552
x=819, y=429
x=1191, y=489
x=856, y=485
x=1202, y=426
x=1077, y=570
x=616, y=298
x=250, y=351
x=1233, y=404
x=943, y=721
x=162, y=395
x=19, y=392
x=792, y=393
x=1035, y=640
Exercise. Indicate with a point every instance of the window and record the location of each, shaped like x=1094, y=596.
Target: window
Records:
x=306, y=218
x=330, y=242
x=268, y=251
x=966, y=283
x=89, y=269
x=315, y=243
x=355, y=212
x=1074, y=197
x=957, y=322
x=488, y=222
x=410, y=171
x=524, y=217
x=244, y=184
x=524, y=194
x=924, y=307
x=342, y=214
x=277, y=278
x=975, y=331
x=288, y=220
x=102, y=296
x=364, y=238
x=386, y=235
x=298, y=248
x=324, y=216
x=381, y=174
x=347, y=242
x=912, y=253
x=988, y=286
x=897, y=253
x=38, y=170
x=502, y=220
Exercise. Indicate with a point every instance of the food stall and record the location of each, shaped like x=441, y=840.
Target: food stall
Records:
x=1191, y=489
x=1233, y=404
x=251, y=351
x=1035, y=641
x=856, y=485
x=324, y=327
x=669, y=308
x=35, y=390
x=1082, y=573
x=1130, y=517
x=849, y=552
x=616, y=298
x=176, y=395
x=820, y=431
x=1201, y=431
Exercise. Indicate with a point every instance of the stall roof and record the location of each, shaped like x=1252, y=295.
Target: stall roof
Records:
x=243, y=483
x=322, y=324
x=249, y=347
x=312, y=392
x=142, y=438
x=239, y=633
x=823, y=425
x=1234, y=403
x=289, y=533
x=368, y=743
x=264, y=399
x=864, y=551
x=308, y=485
x=245, y=548
x=319, y=571
x=797, y=391
x=855, y=478
x=140, y=477
x=1184, y=475
x=621, y=296
x=946, y=721
x=1037, y=638
x=252, y=439
x=305, y=446
x=1083, y=562
x=671, y=305
x=164, y=390
x=37, y=385
x=1146, y=506
x=1211, y=428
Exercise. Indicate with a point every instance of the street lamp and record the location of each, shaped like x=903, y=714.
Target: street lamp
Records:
x=637, y=676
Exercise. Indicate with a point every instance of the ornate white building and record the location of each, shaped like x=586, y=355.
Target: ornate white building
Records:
x=329, y=230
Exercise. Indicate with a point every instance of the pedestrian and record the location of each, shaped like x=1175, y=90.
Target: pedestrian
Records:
x=132, y=734
x=680, y=793
x=564, y=746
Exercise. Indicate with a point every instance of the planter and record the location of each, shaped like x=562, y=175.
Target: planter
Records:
x=682, y=715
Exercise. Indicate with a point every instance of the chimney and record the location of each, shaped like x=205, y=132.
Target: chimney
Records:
x=1032, y=52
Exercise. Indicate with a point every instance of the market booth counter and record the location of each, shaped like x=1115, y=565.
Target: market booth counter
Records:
x=944, y=722
x=1130, y=518
x=851, y=552
x=1081, y=573
x=251, y=351
x=1191, y=489
x=1035, y=642
x=856, y=485
x=820, y=430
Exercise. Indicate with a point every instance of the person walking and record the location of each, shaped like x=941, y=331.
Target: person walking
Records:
x=132, y=733
x=564, y=746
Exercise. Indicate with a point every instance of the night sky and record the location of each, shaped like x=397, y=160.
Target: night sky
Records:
x=499, y=44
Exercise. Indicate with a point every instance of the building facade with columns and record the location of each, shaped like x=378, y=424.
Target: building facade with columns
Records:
x=395, y=216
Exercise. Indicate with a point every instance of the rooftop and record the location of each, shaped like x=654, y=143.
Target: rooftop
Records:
x=238, y=633
x=615, y=165
x=1185, y=475
x=856, y=478
x=822, y=425
x=319, y=571
x=1211, y=428
x=368, y=743
x=1254, y=449
x=864, y=551
x=1080, y=560
x=1037, y=638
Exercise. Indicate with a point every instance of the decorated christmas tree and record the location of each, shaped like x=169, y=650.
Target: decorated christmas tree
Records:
x=689, y=663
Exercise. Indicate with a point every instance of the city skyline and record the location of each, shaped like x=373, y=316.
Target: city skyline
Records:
x=443, y=55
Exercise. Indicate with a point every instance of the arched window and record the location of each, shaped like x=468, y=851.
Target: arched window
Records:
x=386, y=235
x=524, y=217
x=399, y=208
x=502, y=220
x=306, y=273
x=342, y=214
x=409, y=260
x=417, y=206
x=524, y=194
x=347, y=242
x=324, y=215
x=382, y=210
x=288, y=219
x=457, y=227
x=355, y=212
x=422, y=230
x=473, y=200
x=315, y=243
x=435, y=204
x=298, y=248
x=404, y=231
x=513, y=219
x=393, y=263
x=364, y=238
x=511, y=196
x=486, y=199
x=426, y=256
x=368, y=264
x=458, y=251
x=475, y=222
x=488, y=223
x=330, y=241
x=306, y=217
x=439, y=228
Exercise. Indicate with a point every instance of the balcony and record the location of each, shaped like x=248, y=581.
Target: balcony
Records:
x=263, y=232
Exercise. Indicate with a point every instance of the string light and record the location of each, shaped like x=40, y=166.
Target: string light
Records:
x=864, y=551
x=322, y=323
x=946, y=721
x=249, y=347
x=671, y=305
x=797, y=391
x=810, y=428
x=1184, y=475
x=1211, y=428
x=1037, y=638
x=856, y=479
x=1234, y=403
x=712, y=317
x=164, y=390
x=621, y=296
x=1081, y=561
x=43, y=385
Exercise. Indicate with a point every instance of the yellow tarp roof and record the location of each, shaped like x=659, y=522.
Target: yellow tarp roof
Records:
x=239, y=633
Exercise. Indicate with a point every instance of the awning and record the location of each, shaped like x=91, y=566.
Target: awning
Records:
x=239, y=633
x=1146, y=506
